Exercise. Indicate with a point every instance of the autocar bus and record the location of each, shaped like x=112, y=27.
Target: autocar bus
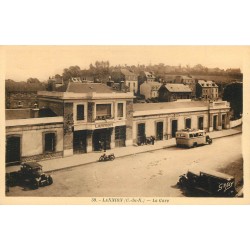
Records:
x=192, y=138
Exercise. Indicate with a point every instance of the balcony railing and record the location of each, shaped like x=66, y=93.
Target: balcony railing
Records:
x=104, y=118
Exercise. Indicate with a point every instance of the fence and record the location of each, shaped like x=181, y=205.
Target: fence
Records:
x=235, y=123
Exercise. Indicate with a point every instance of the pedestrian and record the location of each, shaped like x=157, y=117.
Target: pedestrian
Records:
x=100, y=145
x=152, y=140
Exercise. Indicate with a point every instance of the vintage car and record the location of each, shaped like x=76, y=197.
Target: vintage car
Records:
x=209, y=183
x=31, y=175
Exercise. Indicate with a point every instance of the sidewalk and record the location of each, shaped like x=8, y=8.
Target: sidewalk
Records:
x=83, y=159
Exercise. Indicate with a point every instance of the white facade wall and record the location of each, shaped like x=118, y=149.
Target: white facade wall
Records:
x=151, y=121
x=133, y=85
x=32, y=140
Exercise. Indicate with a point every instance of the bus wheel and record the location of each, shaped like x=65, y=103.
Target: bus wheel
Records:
x=195, y=145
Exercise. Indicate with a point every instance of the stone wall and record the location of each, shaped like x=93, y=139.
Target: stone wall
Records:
x=68, y=128
x=91, y=107
x=129, y=123
x=27, y=99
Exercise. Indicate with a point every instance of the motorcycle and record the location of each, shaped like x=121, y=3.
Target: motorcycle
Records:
x=105, y=157
x=209, y=140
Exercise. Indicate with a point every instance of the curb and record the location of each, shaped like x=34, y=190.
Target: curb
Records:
x=122, y=156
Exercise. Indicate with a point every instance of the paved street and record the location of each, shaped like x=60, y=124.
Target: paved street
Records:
x=146, y=174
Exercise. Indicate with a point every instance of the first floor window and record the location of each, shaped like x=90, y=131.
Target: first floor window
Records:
x=80, y=112
x=103, y=111
x=120, y=110
x=200, y=122
x=50, y=142
x=188, y=123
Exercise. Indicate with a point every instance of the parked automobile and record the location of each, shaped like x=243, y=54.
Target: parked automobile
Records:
x=30, y=174
x=211, y=183
x=192, y=138
x=105, y=157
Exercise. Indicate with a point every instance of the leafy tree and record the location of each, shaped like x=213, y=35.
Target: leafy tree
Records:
x=233, y=93
x=57, y=76
x=100, y=71
x=72, y=71
x=33, y=80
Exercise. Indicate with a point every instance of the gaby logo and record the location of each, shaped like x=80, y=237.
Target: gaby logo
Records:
x=225, y=186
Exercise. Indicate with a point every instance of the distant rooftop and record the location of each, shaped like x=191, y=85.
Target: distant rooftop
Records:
x=204, y=83
x=127, y=72
x=177, y=87
x=78, y=87
x=149, y=74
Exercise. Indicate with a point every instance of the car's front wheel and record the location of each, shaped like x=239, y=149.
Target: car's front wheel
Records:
x=50, y=180
x=36, y=185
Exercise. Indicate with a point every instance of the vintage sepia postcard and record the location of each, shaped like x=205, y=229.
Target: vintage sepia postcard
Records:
x=125, y=125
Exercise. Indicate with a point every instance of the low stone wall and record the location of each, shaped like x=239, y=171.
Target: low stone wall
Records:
x=235, y=123
x=42, y=157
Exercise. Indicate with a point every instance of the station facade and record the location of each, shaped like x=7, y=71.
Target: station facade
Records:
x=86, y=115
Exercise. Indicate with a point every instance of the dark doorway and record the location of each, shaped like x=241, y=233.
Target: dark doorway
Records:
x=188, y=123
x=223, y=121
x=80, y=142
x=141, y=136
x=159, y=131
x=200, y=123
x=13, y=150
x=120, y=136
x=103, y=136
x=174, y=127
x=215, y=122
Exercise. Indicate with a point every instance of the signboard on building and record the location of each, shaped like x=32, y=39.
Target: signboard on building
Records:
x=104, y=125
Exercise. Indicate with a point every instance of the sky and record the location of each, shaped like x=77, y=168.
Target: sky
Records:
x=23, y=62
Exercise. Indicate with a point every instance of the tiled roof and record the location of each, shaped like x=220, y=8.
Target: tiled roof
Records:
x=168, y=105
x=204, y=83
x=77, y=87
x=127, y=72
x=148, y=74
x=177, y=87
